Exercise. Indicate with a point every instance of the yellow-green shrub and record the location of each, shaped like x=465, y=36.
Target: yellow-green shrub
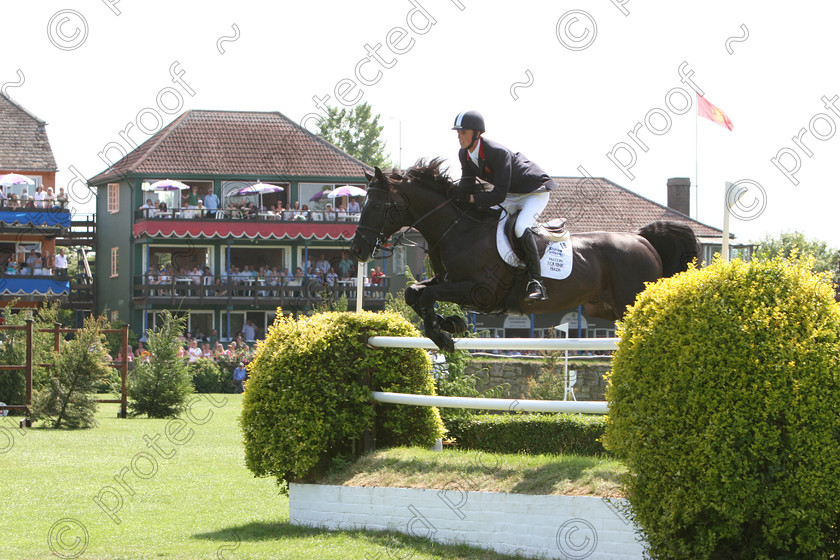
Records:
x=723, y=404
x=308, y=396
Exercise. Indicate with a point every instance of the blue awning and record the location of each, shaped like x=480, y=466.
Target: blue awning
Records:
x=27, y=286
x=56, y=217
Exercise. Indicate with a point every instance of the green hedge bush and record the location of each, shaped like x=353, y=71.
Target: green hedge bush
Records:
x=723, y=404
x=308, y=396
x=529, y=433
x=207, y=376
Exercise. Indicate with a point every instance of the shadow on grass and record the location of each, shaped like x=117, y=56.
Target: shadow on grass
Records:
x=397, y=545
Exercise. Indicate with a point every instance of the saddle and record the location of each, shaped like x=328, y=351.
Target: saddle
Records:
x=545, y=233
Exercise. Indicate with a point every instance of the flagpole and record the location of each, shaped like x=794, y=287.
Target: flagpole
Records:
x=696, y=176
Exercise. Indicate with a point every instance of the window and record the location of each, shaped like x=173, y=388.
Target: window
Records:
x=115, y=316
x=115, y=261
x=113, y=198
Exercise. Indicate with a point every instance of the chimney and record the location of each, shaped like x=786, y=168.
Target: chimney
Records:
x=679, y=194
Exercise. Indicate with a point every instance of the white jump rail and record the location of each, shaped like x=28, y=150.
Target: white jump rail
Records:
x=580, y=344
x=513, y=405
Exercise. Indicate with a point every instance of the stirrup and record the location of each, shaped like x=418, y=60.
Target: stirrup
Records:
x=535, y=291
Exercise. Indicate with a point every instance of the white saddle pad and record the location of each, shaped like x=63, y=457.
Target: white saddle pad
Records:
x=556, y=263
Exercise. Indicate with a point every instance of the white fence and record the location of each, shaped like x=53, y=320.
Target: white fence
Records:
x=566, y=344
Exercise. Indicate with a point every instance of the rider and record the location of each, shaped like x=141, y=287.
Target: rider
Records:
x=518, y=184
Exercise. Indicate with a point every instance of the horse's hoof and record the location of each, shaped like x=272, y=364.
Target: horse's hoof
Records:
x=443, y=341
x=454, y=324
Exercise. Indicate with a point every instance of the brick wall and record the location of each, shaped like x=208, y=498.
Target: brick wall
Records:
x=532, y=526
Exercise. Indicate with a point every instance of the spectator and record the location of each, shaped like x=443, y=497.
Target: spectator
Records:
x=240, y=374
x=331, y=277
x=147, y=208
x=322, y=266
x=163, y=211
x=61, y=198
x=376, y=276
x=249, y=331
x=345, y=265
x=206, y=352
x=211, y=202
x=194, y=352
x=40, y=195
x=61, y=264
x=353, y=206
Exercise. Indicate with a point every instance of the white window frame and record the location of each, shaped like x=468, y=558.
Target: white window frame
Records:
x=113, y=198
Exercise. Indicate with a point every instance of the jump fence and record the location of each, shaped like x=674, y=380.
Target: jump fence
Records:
x=548, y=344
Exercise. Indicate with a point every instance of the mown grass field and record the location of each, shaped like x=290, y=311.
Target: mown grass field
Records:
x=174, y=489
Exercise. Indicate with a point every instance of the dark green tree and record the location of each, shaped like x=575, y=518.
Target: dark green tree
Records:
x=161, y=387
x=357, y=132
x=68, y=400
x=794, y=245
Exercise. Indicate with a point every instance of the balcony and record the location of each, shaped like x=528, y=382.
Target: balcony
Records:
x=42, y=221
x=29, y=287
x=221, y=292
x=196, y=224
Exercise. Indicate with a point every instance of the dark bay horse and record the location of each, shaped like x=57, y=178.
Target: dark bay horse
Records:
x=609, y=269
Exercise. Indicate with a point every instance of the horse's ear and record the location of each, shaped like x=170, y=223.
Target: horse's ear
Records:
x=378, y=173
x=368, y=176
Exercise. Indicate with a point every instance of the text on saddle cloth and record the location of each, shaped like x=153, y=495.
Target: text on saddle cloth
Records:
x=556, y=262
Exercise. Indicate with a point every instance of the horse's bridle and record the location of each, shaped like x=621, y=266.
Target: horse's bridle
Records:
x=399, y=238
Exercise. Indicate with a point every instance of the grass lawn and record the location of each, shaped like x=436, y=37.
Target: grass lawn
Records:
x=487, y=472
x=172, y=489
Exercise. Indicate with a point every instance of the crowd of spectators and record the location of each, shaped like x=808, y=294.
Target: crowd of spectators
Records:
x=198, y=345
x=329, y=274
x=44, y=198
x=36, y=263
x=210, y=207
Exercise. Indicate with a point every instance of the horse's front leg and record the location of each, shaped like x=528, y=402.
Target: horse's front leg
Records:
x=433, y=324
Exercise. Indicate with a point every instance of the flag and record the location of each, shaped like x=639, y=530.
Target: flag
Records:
x=706, y=109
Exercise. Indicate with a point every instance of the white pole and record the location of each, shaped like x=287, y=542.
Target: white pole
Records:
x=499, y=343
x=724, y=247
x=360, y=285
x=574, y=407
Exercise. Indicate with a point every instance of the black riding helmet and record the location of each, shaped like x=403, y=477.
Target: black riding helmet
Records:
x=469, y=120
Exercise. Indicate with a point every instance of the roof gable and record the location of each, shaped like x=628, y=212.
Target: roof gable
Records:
x=24, y=145
x=232, y=143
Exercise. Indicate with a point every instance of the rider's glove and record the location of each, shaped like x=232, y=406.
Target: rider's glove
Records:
x=460, y=193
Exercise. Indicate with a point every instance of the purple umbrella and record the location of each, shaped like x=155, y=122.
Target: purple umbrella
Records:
x=259, y=188
x=347, y=190
x=167, y=185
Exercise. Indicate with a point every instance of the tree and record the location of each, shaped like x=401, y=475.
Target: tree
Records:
x=161, y=387
x=68, y=400
x=794, y=245
x=356, y=132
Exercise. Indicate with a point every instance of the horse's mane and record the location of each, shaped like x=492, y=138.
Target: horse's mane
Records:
x=431, y=174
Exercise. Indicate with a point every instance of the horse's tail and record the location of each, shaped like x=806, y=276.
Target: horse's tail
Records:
x=676, y=244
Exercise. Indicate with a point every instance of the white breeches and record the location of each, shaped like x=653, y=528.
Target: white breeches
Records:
x=530, y=206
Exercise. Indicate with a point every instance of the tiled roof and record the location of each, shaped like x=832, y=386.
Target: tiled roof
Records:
x=24, y=145
x=591, y=204
x=230, y=143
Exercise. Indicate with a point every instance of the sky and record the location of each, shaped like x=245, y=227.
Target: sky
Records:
x=605, y=89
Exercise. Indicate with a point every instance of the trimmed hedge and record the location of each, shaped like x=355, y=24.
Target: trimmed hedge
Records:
x=530, y=433
x=308, y=395
x=723, y=404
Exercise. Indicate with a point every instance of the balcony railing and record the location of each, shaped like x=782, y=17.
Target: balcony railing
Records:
x=291, y=216
x=218, y=291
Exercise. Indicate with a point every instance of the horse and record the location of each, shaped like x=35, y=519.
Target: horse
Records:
x=608, y=269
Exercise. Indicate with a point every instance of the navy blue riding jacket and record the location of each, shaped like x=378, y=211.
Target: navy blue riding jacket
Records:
x=505, y=170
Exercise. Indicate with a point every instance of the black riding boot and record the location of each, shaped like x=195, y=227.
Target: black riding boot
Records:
x=531, y=254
